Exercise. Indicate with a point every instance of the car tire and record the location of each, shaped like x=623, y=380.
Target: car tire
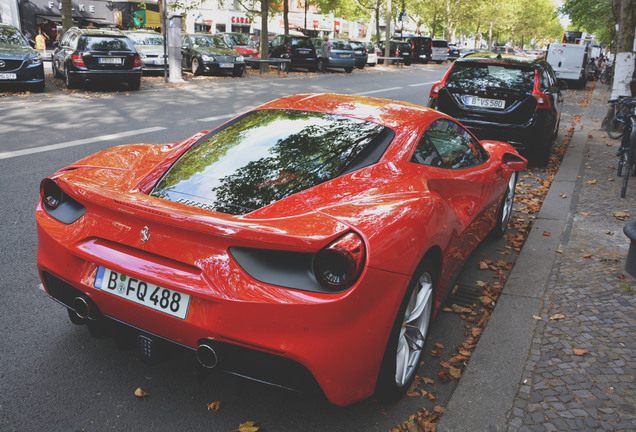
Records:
x=134, y=83
x=348, y=69
x=285, y=67
x=195, y=66
x=403, y=354
x=505, y=209
x=425, y=61
x=71, y=82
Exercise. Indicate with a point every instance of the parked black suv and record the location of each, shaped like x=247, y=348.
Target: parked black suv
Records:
x=299, y=49
x=96, y=55
x=20, y=64
x=505, y=98
x=421, y=47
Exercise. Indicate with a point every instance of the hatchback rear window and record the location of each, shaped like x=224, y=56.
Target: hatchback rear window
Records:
x=339, y=45
x=268, y=155
x=104, y=43
x=301, y=42
x=478, y=76
x=440, y=43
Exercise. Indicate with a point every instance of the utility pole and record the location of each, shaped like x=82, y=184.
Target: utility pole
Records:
x=387, y=31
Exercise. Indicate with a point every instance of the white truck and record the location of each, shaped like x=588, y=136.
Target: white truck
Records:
x=569, y=62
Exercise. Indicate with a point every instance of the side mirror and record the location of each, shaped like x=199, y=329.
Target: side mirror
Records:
x=513, y=162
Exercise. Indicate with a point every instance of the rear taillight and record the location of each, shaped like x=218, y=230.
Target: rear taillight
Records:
x=78, y=60
x=51, y=193
x=436, y=88
x=338, y=265
x=543, y=101
x=289, y=50
x=137, y=62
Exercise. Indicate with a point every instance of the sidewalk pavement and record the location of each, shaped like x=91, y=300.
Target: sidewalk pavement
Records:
x=574, y=368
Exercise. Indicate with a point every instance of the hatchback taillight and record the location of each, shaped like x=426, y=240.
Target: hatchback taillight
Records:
x=137, y=62
x=543, y=101
x=340, y=263
x=78, y=60
x=435, y=89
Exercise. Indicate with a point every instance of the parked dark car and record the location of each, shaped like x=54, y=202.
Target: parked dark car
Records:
x=453, y=52
x=341, y=54
x=149, y=45
x=208, y=53
x=398, y=49
x=505, y=98
x=96, y=55
x=421, y=47
x=20, y=64
x=361, y=54
x=298, y=49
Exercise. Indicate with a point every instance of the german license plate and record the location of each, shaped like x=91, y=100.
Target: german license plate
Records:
x=144, y=293
x=485, y=102
x=109, y=60
x=158, y=61
x=343, y=55
x=226, y=65
x=8, y=76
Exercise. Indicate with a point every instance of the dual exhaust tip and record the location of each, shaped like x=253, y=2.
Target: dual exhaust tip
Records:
x=206, y=355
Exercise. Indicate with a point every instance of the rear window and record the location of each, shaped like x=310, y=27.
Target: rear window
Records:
x=301, y=42
x=339, y=45
x=146, y=39
x=484, y=75
x=440, y=43
x=104, y=43
x=268, y=155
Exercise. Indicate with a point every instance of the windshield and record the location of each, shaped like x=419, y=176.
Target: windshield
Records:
x=483, y=75
x=11, y=36
x=146, y=39
x=238, y=40
x=104, y=43
x=263, y=157
x=207, y=42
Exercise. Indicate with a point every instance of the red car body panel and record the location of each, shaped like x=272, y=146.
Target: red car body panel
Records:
x=401, y=210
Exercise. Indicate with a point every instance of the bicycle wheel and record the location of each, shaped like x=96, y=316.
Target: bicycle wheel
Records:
x=614, y=126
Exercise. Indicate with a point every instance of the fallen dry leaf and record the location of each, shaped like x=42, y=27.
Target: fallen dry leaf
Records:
x=248, y=427
x=538, y=318
x=140, y=393
x=214, y=406
x=557, y=317
x=455, y=373
x=483, y=265
x=460, y=309
x=580, y=352
x=588, y=256
x=547, y=233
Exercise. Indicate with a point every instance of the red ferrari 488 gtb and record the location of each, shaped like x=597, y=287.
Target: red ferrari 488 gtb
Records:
x=307, y=243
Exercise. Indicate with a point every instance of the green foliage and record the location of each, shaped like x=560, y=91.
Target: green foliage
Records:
x=592, y=16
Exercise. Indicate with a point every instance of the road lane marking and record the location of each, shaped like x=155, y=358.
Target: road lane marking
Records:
x=109, y=137
x=220, y=117
x=422, y=84
x=379, y=91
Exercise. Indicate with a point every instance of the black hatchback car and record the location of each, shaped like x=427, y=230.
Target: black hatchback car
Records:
x=96, y=55
x=504, y=98
x=298, y=49
x=20, y=64
x=208, y=53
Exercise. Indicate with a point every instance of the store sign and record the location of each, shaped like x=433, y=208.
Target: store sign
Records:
x=336, y=26
x=241, y=20
x=80, y=7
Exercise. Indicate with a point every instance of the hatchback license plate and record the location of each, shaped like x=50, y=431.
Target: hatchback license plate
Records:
x=8, y=76
x=144, y=293
x=109, y=60
x=485, y=102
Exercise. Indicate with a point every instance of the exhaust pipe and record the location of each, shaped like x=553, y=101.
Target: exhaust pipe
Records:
x=207, y=356
x=82, y=307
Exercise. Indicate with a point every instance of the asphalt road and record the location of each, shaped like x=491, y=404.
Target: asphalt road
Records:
x=53, y=375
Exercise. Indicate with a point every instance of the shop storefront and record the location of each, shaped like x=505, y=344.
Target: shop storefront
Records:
x=220, y=21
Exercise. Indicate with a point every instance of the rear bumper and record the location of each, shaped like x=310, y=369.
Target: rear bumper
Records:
x=102, y=75
x=338, y=338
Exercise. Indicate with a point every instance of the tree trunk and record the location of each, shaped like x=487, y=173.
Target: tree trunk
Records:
x=387, y=32
x=624, y=71
x=377, y=22
x=264, y=33
x=286, y=16
x=67, y=15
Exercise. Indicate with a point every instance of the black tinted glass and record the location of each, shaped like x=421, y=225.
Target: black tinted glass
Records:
x=440, y=43
x=11, y=36
x=146, y=39
x=104, y=43
x=485, y=75
x=339, y=45
x=264, y=157
x=301, y=42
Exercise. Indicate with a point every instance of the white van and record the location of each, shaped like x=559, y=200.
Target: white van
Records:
x=439, y=50
x=569, y=62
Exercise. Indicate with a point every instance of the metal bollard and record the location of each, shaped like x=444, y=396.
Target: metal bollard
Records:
x=630, y=263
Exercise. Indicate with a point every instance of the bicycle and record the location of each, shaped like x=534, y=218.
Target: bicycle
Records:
x=627, y=150
x=606, y=74
x=617, y=116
